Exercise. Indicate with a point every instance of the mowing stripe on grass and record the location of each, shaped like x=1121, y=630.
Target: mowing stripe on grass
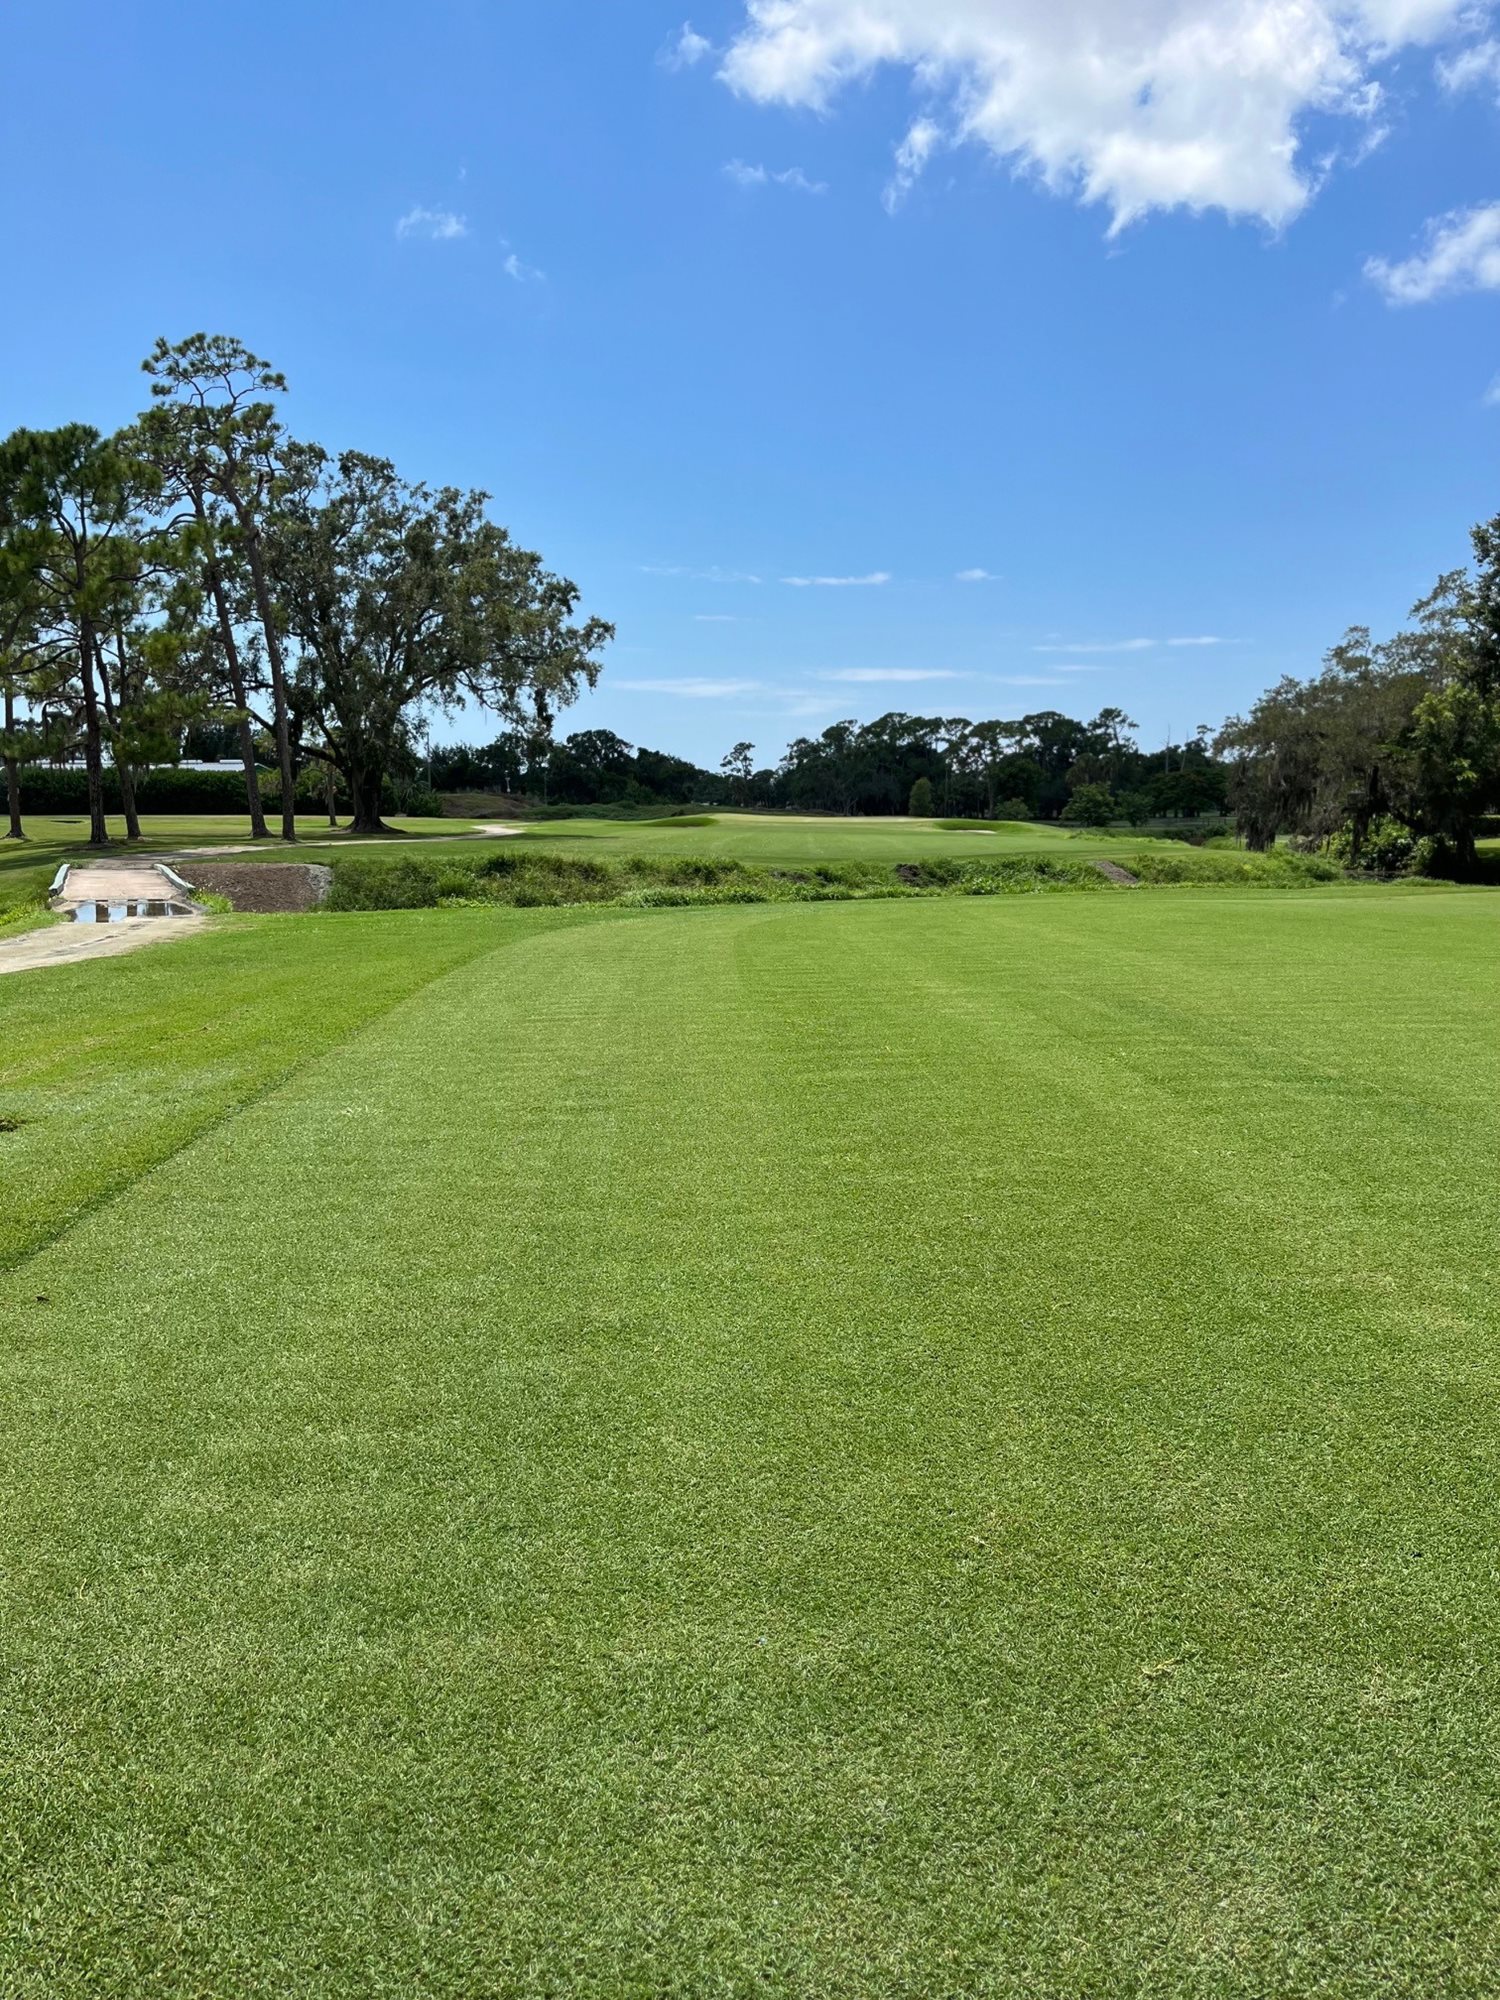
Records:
x=885, y=1449
x=106, y=1069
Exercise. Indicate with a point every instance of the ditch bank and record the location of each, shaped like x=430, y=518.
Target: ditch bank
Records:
x=520, y=878
x=263, y=888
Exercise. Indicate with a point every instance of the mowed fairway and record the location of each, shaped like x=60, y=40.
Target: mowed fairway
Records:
x=929, y=1448
x=791, y=837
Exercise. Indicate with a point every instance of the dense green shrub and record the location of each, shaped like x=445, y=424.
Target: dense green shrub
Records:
x=1437, y=861
x=46, y=790
x=1387, y=848
x=1209, y=868
x=522, y=878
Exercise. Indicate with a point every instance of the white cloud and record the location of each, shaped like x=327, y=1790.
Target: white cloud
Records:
x=746, y=176
x=1460, y=253
x=684, y=49
x=977, y=576
x=714, y=618
x=692, y=688
x=1102, y=646
x=713, y=574
x=876, y=674
x=876, y=576
x=1191, y=104
x=1471, y=68
x=1208, y=639
x=523, y=274
x=912, y=155
x=439, y=225
x=1492, y=395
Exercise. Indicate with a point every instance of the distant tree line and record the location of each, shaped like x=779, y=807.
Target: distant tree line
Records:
x=202, y=570
x=1391, y=754
x=203, y=583
x=1041, y=766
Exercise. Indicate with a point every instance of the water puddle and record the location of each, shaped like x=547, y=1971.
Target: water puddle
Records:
x=116, y=913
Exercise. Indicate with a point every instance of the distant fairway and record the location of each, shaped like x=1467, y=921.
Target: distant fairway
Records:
x=776, y=837
x=878, y=1449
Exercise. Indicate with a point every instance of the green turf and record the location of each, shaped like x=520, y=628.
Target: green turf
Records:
x=929, y=1448
x=783, y=837
x=112, y=1066
x=786, y=840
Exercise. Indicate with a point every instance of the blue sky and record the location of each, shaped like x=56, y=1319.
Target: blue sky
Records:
x=1177, y=322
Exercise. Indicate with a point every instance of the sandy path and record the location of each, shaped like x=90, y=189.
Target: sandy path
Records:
x=66, y=944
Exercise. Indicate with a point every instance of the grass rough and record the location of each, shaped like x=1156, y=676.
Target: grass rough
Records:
x=526, y=877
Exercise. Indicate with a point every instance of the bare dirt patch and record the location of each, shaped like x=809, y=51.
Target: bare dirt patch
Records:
x=481, y=805
x=264, y=888
x=1113, y=872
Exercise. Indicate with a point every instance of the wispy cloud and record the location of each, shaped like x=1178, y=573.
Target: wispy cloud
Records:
x=1207, y=639
x=1460, y=253
x=715, y=618
x=713, y=574
x=746, y=176
x=438, y=225
x=693, y=687
x=523, y=274
x=912, y=155
x=976, y=576
x=1101, y=646
x=1471, y=68
x=872, y=674
x=1492, y=395
x=876, y=576
x=685, y=49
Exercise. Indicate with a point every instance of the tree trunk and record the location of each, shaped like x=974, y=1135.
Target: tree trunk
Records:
x=278, y=675
x=93, y=743
x=331, y=794
x=258, y=828
x=112, y=717
x=365, y=789
x=12, y=776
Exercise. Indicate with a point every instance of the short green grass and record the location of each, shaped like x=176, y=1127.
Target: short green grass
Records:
x=784, y=837
x=897, y=1448
x=787, y=840
x=111, y=1067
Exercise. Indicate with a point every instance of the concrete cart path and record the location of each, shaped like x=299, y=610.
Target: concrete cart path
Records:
x=66, y=944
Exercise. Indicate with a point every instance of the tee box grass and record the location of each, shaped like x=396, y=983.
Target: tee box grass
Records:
x=894, y=1448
